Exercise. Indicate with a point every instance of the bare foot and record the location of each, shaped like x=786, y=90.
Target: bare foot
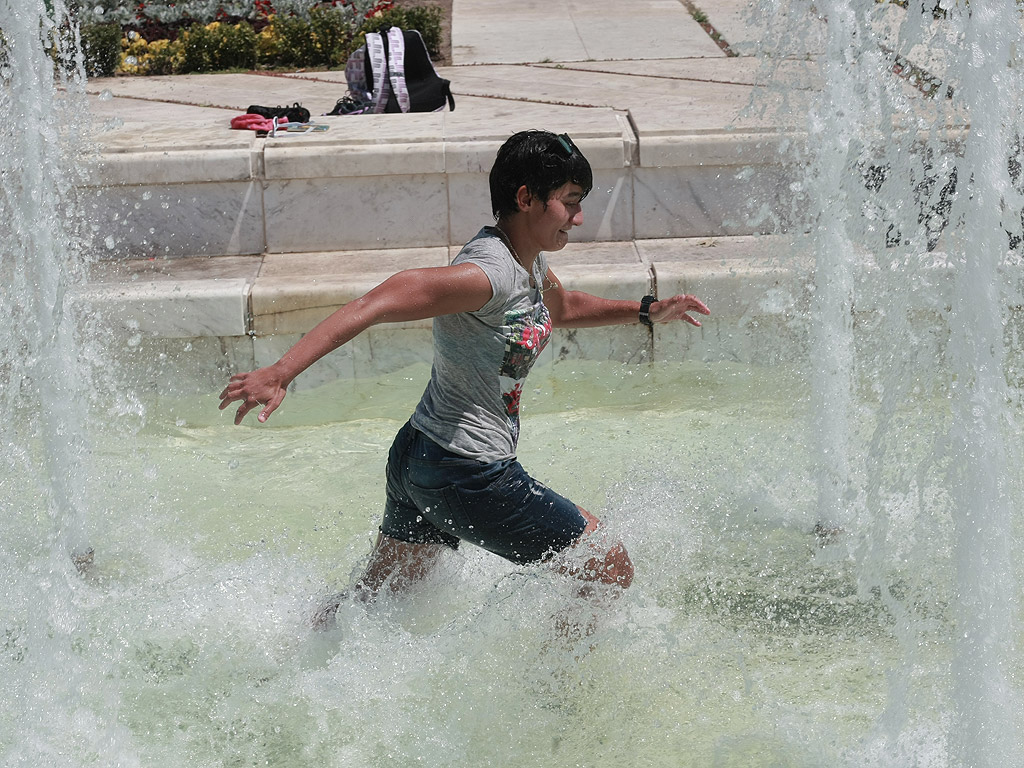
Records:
x=827, y=534
x=325, y=616
x=82, y=558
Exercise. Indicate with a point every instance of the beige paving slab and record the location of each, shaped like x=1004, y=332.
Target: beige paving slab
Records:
x=486, y=119
x=179, y=298
x=734, y=70
x=605, y=254
x=721, y=108
x=126, y=124
x=781, y=30
x=611, y=29
x=700, y=251
x=480, y=39
x=214, y=269
x=225, y=91
x=122, y=125
x=486, y=32
x=623, y=92
x=319, y=266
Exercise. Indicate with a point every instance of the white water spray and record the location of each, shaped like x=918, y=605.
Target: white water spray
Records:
x=41, y=357
x=44, y=439
x=915, y=287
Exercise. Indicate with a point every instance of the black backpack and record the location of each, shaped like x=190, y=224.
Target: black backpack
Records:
x=393, y=73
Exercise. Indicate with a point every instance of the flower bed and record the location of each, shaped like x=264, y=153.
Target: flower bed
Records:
x=162, y=37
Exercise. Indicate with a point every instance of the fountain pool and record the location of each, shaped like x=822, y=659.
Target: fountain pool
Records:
x=742, y=641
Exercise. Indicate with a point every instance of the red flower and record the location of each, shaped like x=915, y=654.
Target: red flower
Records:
x=512, y=399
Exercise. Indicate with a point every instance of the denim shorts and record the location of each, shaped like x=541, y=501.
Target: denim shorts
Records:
x=437, y=496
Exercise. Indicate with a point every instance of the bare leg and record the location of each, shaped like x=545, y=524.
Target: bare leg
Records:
x=608, y=565
x=398, y=564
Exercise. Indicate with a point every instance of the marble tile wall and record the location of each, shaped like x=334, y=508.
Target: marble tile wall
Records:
x=713, y=200
x=757, y=288
x=177, y=220
x=377, y=352
x=627, y=344
x=418, y=182
x=356, y=212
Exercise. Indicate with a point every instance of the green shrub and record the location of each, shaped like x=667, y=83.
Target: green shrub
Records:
x=101, y=46
x=161, y=57
x=425, y=19
x=287, y=41
x=324, y=40
x=332, y=32
x=216, y=46
x=164, y=57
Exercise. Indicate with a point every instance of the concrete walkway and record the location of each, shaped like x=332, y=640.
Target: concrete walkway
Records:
x=223, y=241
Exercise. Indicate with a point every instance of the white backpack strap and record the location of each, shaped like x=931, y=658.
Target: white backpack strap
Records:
x=379, y=67
x=355, y=73
x=396, y=67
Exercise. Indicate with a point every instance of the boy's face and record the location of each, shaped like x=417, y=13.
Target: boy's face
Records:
x=551, y=221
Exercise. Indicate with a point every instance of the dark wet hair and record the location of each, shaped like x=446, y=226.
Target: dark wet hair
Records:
x=542, y=162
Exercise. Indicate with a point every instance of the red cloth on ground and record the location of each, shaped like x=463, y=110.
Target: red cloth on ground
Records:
x=248, y=122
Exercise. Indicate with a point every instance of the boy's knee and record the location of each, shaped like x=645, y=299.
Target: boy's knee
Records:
x=615, y=568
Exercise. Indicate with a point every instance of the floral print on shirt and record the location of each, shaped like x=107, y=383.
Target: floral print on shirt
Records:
x=526, y=334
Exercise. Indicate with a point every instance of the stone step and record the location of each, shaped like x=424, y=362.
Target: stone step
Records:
x=171, y=179
x=239, y=312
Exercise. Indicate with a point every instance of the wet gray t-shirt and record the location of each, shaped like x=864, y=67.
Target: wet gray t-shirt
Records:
x=481, y=359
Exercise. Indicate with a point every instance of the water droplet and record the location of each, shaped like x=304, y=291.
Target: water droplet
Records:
x=99, y=10
x=233, y=464
x=130, y=61
x=106, y=95
x=109, y=242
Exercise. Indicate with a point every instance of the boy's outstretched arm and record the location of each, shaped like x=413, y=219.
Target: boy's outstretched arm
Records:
x=413, y=294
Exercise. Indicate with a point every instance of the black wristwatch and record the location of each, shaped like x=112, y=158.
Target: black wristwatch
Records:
x=645, y=310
